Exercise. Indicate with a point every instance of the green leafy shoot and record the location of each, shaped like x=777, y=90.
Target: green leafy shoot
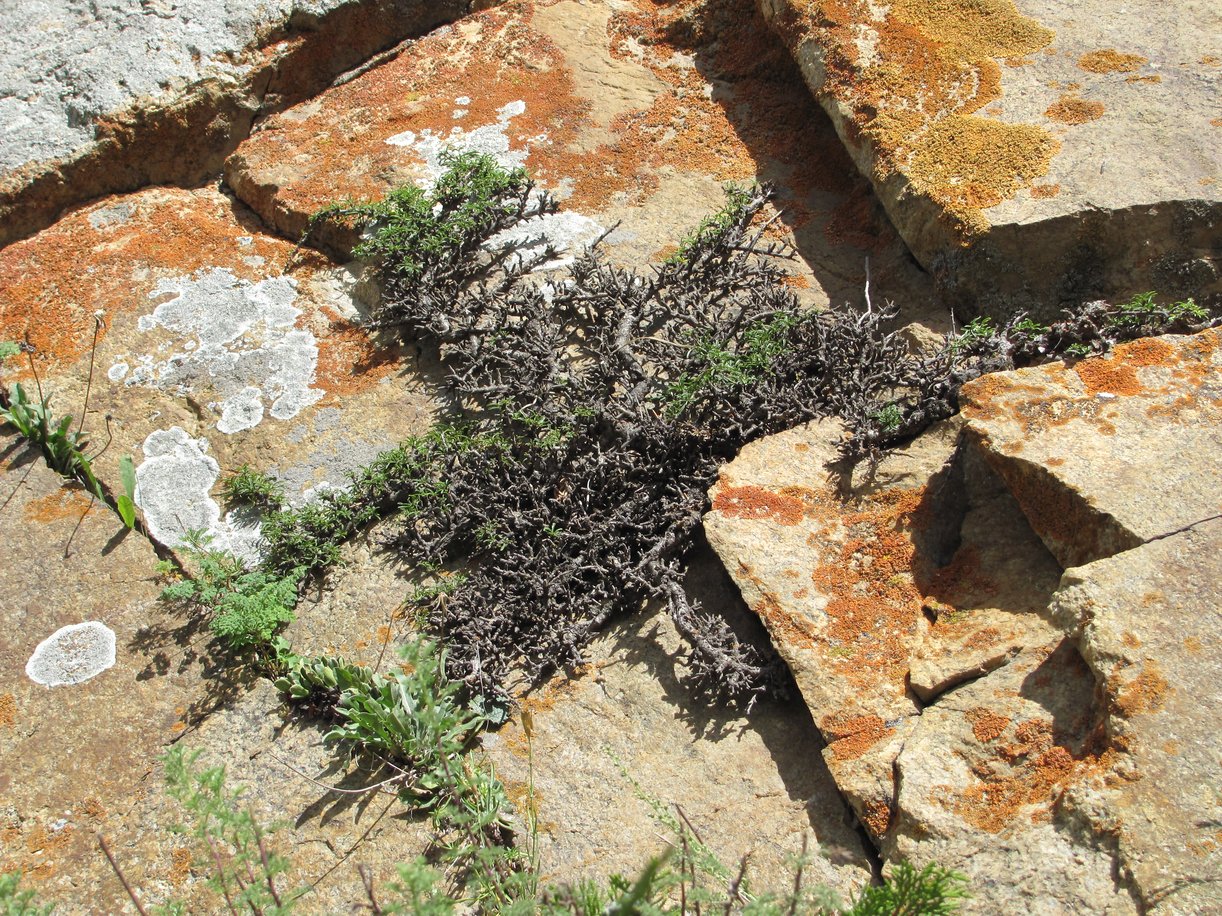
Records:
x=758, y=349
x=889, y=418
x=16, y=902
x=62, y=446
x=245, y=608
x=232, y=846
x=1142, y=311
x=711, y=227
x=250, y=487
x=8, y=350
x=125, y=502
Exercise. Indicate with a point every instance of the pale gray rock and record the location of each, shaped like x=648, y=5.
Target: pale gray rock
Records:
x=1033, y=154
x=1148, y=622
x=104, y=97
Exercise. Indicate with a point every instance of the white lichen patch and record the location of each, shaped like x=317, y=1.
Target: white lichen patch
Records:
x=235, y=339
x=72, y=655
x=565, y=232
x=173, y=484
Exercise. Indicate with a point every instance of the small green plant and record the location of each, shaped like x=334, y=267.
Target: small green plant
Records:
x=242, y=867
x=245, y=608
x=125, y=502
x=8, y=349
x=1029, y=328
x=888, y=418
x=16, y=902
x=976, y=332
x=250, y=487
x=1079, y=350
x=738, y=201
x=63, y=447
x=1142, y=312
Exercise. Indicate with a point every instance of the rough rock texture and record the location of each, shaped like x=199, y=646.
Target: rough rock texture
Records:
x=1110, y=452
x=98, y=98
x=1059, y=735
x=1032, y=154
x=748, y=783
x=214, y=351
x=629, y=113
x=1148, y=622
x=73, y=758
x=881, y=594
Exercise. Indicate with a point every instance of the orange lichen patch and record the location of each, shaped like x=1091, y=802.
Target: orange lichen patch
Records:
x=1110, y=61
x=1210, y=60
x=94, y=808
x=1147, y=351
x=43, y=849
x=877, y=818
x=1172, y=748
x=995, y=801
x=850, y=737
x=1192, y=645
x=936, y=63
x=1216, y=122
x=986, y=398
x=969, y=163
x=757, y=503
x=1130, y=641
x=786, y=629
x=987, y=725
x=960, y=583
x=1044, y=191
x=1151, y=78
x=873, y=606
x=180, y=865
x=67, y=501
x=1070, y=109
x=1145, y=693
x=1108, y=375
x=109, y=256
x=350, y=361
x=8, y=710
x=1019, y=61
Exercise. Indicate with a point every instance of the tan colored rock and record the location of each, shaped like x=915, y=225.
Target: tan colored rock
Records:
x=74, y=758
x=1110, y=452
x=1148, y=621
x=625, y=736
x=216, y=349
x=979, y=783
x=1010, y=140
x=630, y=113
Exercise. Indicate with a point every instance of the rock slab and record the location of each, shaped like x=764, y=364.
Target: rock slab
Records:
x=1011, y=141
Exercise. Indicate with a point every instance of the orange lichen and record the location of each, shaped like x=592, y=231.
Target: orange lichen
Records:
x=935, y=63
x=1044, y=191
x=1192, y=645
x=1145, y=693
x=350, y=361
x=1146, y=351
x=67, y=501
x=987, y=725
x=877, y=818
x=1112, y=376
x=1151, y=78
x=757, y=503
x=8, y=710
x=850, y=737
x=180, y=865
x=1070, y=109
x=109, y=256
x=1108, y=60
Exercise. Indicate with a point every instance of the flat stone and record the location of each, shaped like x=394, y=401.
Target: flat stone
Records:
x=1148, y=621
x=216, y=348
x=100, y=98
x=831, y=575
x=884, y=594
x=632, y=115
x=73, y=757
x=1110, y=452
x=979, y=783
x=1009, y=140
x=748, y=784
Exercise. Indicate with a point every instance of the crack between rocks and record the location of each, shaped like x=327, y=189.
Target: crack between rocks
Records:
x=1184, y=529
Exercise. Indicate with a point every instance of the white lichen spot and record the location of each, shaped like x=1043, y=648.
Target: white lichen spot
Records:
x=118, y=371
x=491, y=139
x=566, y=232
x=463, y=100
x=233, y=337
x=243, y=410
x=172, y=490
x=72, y=655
